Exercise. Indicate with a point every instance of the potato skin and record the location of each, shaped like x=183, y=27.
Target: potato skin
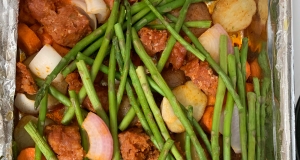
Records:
x=234, y=15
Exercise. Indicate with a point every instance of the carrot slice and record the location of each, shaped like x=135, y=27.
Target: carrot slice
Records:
x=255, y=69
x=28, y=154
x=28, y=41
x=207, y=118
x=60, y=49
x=249, y=87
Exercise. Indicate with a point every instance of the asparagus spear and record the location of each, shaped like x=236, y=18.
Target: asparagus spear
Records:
x=157, y=115
x=168, y=93
x=75, y=103
x=228, y=110
x=41, y=123
x=219, y=100
x=171, y=42
x=264, y=63
x=251, y=125
x=257, y=116
x=88, y=84
x=165, y=150
x=40, y=141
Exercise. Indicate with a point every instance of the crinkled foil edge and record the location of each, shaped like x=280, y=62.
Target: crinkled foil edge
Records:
x=8, y=50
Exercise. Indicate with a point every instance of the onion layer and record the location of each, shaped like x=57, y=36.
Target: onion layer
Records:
x=210, y=40
x=100, y=138
x=235, y=130
x=81, y=6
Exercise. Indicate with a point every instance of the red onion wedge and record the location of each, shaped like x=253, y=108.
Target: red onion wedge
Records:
x=210, y=40
x=100, y=138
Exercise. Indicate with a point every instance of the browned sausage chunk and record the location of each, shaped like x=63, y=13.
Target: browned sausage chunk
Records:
x=177, y=56
x=202, y=75
x=24, y=80
x=65, y=141
x=136, y=145
x=61, y=20
x=154, y=41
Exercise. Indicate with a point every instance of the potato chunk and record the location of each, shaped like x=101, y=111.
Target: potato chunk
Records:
x=187, y=94
x=234, y=15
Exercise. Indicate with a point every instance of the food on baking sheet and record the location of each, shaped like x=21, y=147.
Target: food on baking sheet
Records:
x=159, y=79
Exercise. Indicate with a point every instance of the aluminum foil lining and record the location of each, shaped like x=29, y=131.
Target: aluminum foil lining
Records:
x=8, y=50
x=281, y=110
x=281, y=56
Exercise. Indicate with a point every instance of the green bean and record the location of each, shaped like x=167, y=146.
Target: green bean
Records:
x=75, y=103
x=257, y=116
x=251, y=125
x=227, y=81
x=171, y=42
x=164, y=8
x=67, y=59
x=187, y=145
x=190, y=24
x=242, y=112
x=40, y=141
x=88, y=51
x=168, y=93
x=264, y=63
x=104, y=46
x=88, y=84
x=188, y=46
x=41, y=123
x=90, y=61
x=229, y=110
x=165, y=150
x=112, y=99
x=219, y=100
x=155, y=110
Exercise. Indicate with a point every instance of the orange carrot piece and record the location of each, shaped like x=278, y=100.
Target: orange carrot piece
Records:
x=28, y=41
x=249, y=87
x=255, y=69
x=28, y=154
x=36, y=28
x=60, y=49
x=207, y=118
x=211, y=100
x=46, y=38
x=248, y=71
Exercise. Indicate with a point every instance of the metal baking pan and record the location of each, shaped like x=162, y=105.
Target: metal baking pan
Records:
x=280, y=115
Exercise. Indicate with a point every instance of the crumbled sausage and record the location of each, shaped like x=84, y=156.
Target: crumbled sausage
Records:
x=24, y=80
x=136, y=145
x=177, y=56
x=154, y=41
x=102, y=93
x=202, y=75
x=65, y=141
x=74, y=81
x=61, y=20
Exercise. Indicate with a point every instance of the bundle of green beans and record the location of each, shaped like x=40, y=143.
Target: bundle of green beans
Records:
x=138, y=85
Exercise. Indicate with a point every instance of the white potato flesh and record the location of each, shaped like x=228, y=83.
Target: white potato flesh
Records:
x=44, y=62
x=188, y=95
x=21, y=136
x=234, y=15
x=24, y=104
